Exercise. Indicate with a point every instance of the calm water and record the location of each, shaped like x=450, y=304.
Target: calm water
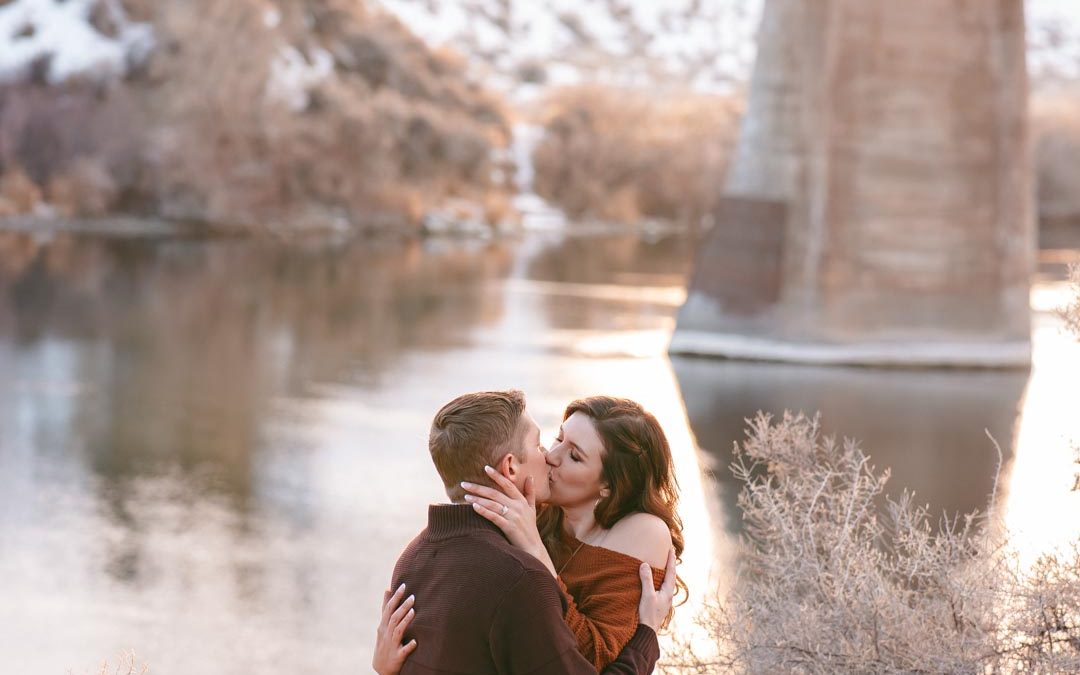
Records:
x=212, y=451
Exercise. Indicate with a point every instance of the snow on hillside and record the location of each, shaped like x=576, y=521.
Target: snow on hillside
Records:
x=73, y=37
x=517, y=46
x=521, y=45
x=698, y=43
x=1054, y=39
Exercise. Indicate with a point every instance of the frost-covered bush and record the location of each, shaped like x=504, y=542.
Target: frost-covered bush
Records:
x=1071, y=312
x=835, y=577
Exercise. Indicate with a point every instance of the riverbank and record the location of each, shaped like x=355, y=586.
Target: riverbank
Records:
x=333, y=117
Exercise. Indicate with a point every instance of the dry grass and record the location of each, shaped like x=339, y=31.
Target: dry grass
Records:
x=624, y=155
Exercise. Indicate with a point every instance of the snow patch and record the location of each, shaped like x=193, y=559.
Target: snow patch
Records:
x=913, y=354
x=61, y=32
x=706, y=45
x=271, y=17
x=292, y=76
x=703, y=44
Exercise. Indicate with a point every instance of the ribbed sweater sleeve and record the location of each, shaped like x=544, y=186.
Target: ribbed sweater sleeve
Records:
x=606, y=618
x=528, y=636
x=602, y=602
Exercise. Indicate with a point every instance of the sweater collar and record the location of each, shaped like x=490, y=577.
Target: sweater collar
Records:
x=452, y=520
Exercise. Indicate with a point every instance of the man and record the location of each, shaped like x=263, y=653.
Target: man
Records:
x=490, y=608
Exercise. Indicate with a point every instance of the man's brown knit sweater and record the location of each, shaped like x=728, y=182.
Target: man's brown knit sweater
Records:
x=484, y=607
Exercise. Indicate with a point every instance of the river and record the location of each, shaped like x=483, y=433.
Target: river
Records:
x=212, y=450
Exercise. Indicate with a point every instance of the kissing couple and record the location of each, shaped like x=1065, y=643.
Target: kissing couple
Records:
x=545, y=561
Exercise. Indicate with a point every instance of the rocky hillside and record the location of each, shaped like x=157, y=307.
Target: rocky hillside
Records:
x=287, y=115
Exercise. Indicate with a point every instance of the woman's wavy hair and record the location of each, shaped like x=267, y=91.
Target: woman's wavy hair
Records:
x=637, y=468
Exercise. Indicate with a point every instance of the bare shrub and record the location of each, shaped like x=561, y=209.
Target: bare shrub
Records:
x=835, y=577
x=1071, y=312
x=834, y=585
x=44, y=128
x=1042, y=630
x=127, y=664
x=18, y=192
x=232, y=145
x=85, y=188
x=623, y=155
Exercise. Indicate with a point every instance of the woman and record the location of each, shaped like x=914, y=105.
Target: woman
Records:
x=612, y=507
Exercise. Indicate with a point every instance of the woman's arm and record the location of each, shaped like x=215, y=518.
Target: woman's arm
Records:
x=603, y=614
x=390, y=654
x=601, y=611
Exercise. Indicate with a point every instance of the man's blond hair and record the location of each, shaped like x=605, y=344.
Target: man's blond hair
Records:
x=473, y=430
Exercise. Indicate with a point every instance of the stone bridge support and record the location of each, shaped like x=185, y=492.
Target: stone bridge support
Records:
x=878, y=208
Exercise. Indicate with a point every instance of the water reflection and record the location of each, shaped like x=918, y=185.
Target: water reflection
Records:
x=173, y=349
x=142, y=471
x=928, y=426
x=213, y=450
x=1042, y=511
x=612, y=271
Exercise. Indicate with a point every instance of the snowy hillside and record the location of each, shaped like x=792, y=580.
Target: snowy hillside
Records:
x=702, y=43
x=516, y=45
x=76, y=37
x=707, y=44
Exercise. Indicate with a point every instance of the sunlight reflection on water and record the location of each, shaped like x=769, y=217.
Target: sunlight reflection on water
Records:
x=1042, y=513
x=212, y=452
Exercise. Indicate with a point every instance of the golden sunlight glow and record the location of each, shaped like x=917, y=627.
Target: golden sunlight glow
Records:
x=1041, y=511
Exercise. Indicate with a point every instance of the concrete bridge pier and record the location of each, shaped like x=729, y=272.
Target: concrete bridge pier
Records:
x=878, y=208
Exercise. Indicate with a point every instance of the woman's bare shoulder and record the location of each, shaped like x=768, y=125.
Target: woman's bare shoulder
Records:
x=642, y=536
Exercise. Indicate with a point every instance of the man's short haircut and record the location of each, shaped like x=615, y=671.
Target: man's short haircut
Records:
x=473, y=430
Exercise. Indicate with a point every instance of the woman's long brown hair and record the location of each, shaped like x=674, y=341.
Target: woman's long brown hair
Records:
x=637, y=468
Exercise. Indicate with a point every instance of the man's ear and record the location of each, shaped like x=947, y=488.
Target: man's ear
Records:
x=507, y=466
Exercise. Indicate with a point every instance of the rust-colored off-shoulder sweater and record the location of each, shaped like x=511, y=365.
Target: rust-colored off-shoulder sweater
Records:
x=603, y=589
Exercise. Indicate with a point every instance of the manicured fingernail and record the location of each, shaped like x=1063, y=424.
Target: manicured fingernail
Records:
x=469, y=498
x=401, y=588
x=465, y=484
x=489, y=469
x=411, y=612
x=411, y=598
